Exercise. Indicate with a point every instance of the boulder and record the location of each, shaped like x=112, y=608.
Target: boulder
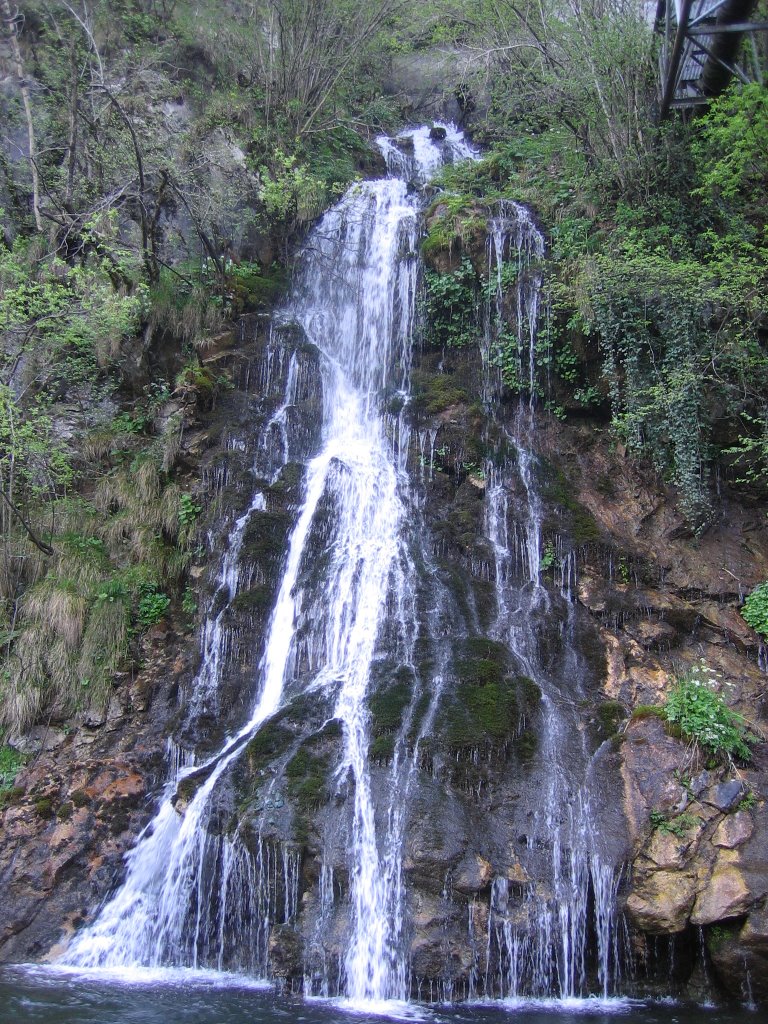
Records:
x=726, y=895
x=663, y=902
x=734, y=830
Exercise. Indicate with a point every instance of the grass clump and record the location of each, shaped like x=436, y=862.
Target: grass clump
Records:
x=11, y=763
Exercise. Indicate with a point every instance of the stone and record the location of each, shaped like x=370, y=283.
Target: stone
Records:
x=726, y=795
x=652, y=634
x=518, y=874
x=437, y=133
x=473, y=874
x=699, y=783
x=662, y=902
x=40, y=737
x=667, y=851
x=734, y=830
x=726, y=895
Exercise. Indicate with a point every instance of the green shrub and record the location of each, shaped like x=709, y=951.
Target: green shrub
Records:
x=703, y=716
x=11, y=763
x=677, y=826
x=755, y=610
x=153, y=605
x=452, y=306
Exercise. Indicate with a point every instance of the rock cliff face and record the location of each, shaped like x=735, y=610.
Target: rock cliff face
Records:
x=510, y=734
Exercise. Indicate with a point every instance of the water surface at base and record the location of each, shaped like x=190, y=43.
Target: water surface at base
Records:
x=43, y=996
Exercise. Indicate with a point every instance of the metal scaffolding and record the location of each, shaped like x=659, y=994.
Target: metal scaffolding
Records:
x=701, y=41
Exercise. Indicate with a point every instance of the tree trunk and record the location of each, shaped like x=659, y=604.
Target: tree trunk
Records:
x=11, y=22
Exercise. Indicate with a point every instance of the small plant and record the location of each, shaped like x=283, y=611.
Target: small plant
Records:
x=747, y=802
x=11, y=763
x=548, y=557
x=189, y=510
x=755, y=610
x=112, y=591
x=703, y=716
x=153, y=605
x=188, y=602
x=678, y=826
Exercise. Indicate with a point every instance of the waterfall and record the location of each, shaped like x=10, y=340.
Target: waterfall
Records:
x=192, y=893
x=565, y=913
x=209, y=886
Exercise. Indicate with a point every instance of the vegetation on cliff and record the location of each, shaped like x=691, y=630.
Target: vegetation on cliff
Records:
x=161, y=162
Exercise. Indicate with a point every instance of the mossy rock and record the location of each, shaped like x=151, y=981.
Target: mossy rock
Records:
x=307, y=780
x=44, y=808
x=484, y=707
x=65, y=811
x=608, y=716
x=382, y=749
x=265, y=535
x=289, y=480
x=256, y=601
x=11, y=797
x=433, y=393
x=272, y=740
x=387, y=706
x=580, y=523
x=526, y=745
x=252, y=288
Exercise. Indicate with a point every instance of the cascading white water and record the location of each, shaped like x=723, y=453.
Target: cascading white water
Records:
x=541, y=945
x=355, y=299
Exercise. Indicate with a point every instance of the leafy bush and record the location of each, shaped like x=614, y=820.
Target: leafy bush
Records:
x=755, y=610
x=153, y=605
x=452, y=306
x=189, y=510
x=703, y=716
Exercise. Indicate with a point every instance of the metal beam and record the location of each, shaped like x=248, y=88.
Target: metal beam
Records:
x=707, y=34
x=673, y=66
x=735, y=26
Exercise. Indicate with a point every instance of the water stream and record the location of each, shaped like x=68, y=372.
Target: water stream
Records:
x=540, y=940
x=191, y=894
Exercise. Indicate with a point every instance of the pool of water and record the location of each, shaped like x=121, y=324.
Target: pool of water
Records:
x=44, y=996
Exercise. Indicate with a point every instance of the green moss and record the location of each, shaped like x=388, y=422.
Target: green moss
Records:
x=718, y=935
x=647, y=711
x=453, y=218
x=387, y=707
x=559, y=491
x=79, y=798
x=526, y=745
x=64, y=813
x=433, y=393
x=529, y=692
x=251, y=287
x=306, y=777
x=11, y=797
x=44, y=807
x=609, y=715
x=257, y=600
x=382, y=748
x=290, y=478
x=265, y=534
x=270, y=741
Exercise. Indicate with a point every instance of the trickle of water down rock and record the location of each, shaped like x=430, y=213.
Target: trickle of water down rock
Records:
x=210, y=882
